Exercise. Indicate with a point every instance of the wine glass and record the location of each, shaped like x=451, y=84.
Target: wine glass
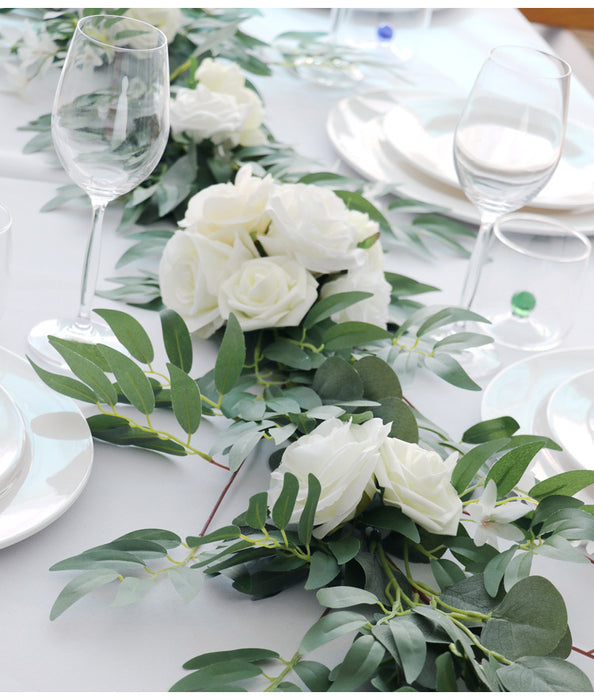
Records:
x=509, y=137
x=110, y=124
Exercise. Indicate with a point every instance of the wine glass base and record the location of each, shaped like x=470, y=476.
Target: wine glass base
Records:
x=45, y=354
x=480, y=362
x=524, y=333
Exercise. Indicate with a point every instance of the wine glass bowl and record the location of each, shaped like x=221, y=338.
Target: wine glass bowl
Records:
x=110, y=124
x=509, y=138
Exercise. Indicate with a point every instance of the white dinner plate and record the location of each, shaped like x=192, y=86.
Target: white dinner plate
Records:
x=355, y=128
x=523, y=389
x=422, y=131
x=570, y=412
x=57, y=459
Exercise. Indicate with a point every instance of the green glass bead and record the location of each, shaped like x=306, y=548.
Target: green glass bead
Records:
x=523, y=304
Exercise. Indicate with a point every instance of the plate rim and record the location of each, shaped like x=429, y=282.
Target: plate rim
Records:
x=52, y=512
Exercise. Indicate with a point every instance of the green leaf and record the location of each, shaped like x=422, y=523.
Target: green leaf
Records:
x=446, y=572
x=329, y=627
x=351, y=334
x=187, y=582
x=470, y=594
x=87, y=371
x=131, y=379
x=411, y=646
x=215, y=675
x=177, y=340
x=508, y=469
x=324, y=308
x=131, y=590
x=231, y=357
x=518, y=568
x=229, y=532
x=65, y=385
x=337, y=380
x=530, y=621
x=287, y=353
x=469, y=464
x=213, y=657
x=344, y=549
x=354, y=200
x=495, y=570
x=379, y=379
x=389, y=518
x=185, y=399
x=565, y=484
x=393, y=410
x=117, y=430
x=285, y=503
x=306, y=521
x=257, y=512
x=492, y=429
x=543, y=675
x=165, y=538
x=323, y=569
x=445, y=680
x=130, y=334
x=345, y=597
x=451, y=371
x=314, y=675
x=360, y=663
x=79, y=587
x=99, y=558
x=461, y=341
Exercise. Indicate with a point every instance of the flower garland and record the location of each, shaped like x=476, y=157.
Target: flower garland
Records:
x=312, y=331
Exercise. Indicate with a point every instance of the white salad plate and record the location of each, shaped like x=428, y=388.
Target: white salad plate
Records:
x=422, y=131
x=355, y=126
x=570, y=413
x=55, y=458
x=523, y=390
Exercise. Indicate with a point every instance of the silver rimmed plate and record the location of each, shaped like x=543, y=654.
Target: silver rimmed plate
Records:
x=523, y=390
x=570, y=413
x=56, y=459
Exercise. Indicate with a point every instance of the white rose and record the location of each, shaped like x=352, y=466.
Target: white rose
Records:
x=419, y=482
x=190, y=272
x=314, y=225
x=169, y=21
x=343, y=457
x=235, y=207
x=369, y=278
x=220, y=108
x=268, y=293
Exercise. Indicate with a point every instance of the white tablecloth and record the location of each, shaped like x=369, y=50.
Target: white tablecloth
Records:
x=94, y=647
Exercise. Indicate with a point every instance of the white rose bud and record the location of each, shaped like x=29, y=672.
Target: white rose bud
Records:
x=343, y=457
x=190, y=272
x=419, y=482
x=220, y=108
x=268, y=293
x=313, y=225
x=238, y=207
x=368, y=278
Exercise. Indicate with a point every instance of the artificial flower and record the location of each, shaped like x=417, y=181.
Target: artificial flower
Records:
x=494, y=520
x=343, y=457
x=419, y=482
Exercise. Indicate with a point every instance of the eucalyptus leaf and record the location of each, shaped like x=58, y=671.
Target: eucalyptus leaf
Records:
x=330, y=627
x=543, y=675
x=351, y=334
x=565, y=484
x=326, y=307
x=254, y=654
x=379, y=379
x=185, y=399
x=65, y=385
x=411, y=645
x=337, y=380
x=308, y=514
x=323, y=569
x=231, y=357
x=79, y=587
x=257, y=512
x=491, y=429
x=216, y=674
x=285, y=503
x=395, y=411
x=130, y=334
x=345, y=597
x=131, y=590
x=509, y=469
x=314, y=675
x=177, y=340
x=360, y=663
x=187, y=582
x=131, y=379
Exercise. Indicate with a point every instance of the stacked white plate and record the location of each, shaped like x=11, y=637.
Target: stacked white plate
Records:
x=46, y=451
x=550, y=394
x=406, y=140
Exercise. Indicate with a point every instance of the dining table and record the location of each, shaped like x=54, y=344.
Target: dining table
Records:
x=96, y=646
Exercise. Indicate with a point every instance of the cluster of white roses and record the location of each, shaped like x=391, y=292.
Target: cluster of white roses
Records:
x=352, y=462
x=258, y=249
x=221, y=108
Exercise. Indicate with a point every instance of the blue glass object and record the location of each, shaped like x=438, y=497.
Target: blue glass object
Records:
x=385, y=32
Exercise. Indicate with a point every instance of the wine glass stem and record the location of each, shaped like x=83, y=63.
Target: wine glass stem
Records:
x=477, y=260
x=91, y=264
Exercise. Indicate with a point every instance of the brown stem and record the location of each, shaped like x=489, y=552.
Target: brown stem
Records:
x=213, y=512
x=589, y=654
